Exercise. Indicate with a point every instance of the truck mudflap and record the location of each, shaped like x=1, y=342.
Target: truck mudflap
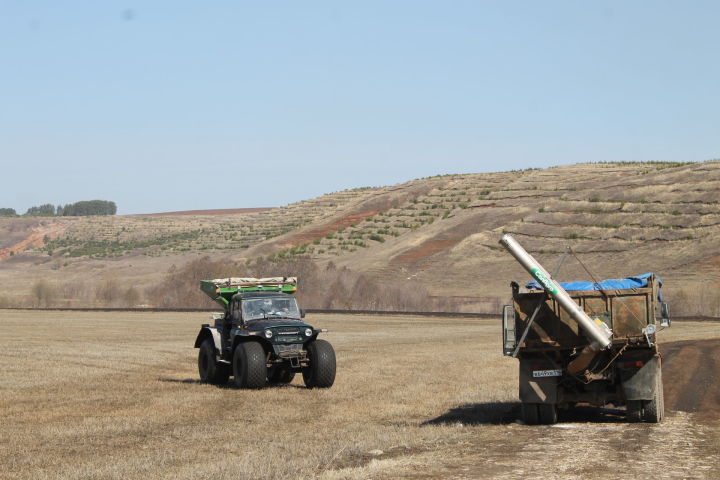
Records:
x=639, y=383
x=539, y=381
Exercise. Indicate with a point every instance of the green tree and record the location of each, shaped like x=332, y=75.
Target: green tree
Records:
x=45, y=210
x=7, y=212
x=89, y=207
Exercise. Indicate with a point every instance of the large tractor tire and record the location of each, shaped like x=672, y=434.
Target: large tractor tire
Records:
x=211, y=371
x=280, y=374
x=321, y=371
x=249, y=365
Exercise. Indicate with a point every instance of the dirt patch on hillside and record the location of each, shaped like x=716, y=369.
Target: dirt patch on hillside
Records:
x=691, y=376
x=321, y=231
x=448, y=238
x=427, y=249
x=35, y=239
x=358, y=213
x=217, y=211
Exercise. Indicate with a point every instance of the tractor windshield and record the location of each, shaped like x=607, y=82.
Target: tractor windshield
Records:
x=270, y=307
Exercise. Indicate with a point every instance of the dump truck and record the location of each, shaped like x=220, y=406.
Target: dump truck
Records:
x=260, y=336
x=585, y=342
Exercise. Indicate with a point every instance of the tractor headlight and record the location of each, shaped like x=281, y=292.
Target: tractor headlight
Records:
x=308, y=332
x=268, y=333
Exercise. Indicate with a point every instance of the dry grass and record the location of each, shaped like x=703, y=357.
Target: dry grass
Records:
x=621, y=219
x=114, y=395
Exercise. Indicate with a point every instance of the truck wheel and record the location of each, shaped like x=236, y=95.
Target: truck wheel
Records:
x=634, y=410
x=321, y=371
x=547, y=413
x=249, y=365
x=281, y=374
x=653, y=410
x=210, y=370
x=529, y=412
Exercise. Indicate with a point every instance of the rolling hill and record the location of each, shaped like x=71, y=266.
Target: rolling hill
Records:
x=438, y=233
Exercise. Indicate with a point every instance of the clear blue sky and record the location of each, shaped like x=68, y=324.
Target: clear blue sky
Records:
x=173, y=105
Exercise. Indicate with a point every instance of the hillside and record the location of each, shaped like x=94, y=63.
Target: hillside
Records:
x=439, y=233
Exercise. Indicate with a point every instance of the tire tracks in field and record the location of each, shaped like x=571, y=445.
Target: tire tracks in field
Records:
x=690, y=376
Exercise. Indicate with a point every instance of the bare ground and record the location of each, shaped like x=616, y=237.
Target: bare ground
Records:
x=692, y=376
x=35, y=238
x=115, y=395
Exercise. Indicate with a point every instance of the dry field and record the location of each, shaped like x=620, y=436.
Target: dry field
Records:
x=115, y=395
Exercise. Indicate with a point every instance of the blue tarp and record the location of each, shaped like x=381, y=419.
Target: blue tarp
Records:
x=637, y=281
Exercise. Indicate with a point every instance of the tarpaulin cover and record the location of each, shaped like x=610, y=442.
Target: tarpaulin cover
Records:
x=637, y=281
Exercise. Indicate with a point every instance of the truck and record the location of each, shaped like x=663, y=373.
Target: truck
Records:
x=592, y=343
x=260, y=338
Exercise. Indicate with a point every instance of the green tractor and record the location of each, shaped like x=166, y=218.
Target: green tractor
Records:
x=261, y=337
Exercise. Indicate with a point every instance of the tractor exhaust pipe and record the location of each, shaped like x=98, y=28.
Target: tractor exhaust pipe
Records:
x=599, y=333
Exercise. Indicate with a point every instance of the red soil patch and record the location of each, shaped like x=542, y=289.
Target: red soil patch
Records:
x=219, y=211
x=35, y=239
x=369, y=207
x=321, y=230
x=426, y=249
x=432, y=246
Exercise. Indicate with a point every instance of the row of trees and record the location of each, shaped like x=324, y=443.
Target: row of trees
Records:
x=77, y=209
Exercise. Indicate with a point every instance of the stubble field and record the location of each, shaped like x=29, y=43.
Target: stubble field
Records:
x=115, y=395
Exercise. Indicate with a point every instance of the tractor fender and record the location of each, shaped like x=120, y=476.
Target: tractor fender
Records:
x=251, y=338
x=209, y=332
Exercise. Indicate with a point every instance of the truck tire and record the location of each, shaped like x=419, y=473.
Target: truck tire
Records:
x=547, y=413
x=249, y=365
x=281, y=374
x=321, y=371
x=529, y=412
x=634, y=410
x=653, y=410
x=211, y=371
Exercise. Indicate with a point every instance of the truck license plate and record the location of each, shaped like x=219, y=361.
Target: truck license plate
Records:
x=547, y=373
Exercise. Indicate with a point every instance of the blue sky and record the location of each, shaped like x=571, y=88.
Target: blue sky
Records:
x=174, y=105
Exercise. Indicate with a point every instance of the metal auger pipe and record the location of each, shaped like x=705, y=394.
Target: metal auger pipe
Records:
x=599, y=334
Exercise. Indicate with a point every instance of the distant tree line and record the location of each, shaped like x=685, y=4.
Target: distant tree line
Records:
x=77, y=209
x=87, y=207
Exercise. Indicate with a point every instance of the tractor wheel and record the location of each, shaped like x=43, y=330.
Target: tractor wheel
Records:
x=321, y=371
x=211, y=371
x=249, y=365
x=529, y=412
x=281, y=374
